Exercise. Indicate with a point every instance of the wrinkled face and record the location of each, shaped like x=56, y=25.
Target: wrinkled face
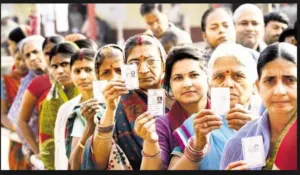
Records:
x=228, y=72
x=278, y=86
x=219, y=28
x=273, y=30
x=190, y=85
x=150, y=66
x=249, y=28
x=110, y=68
x=34, y=56
x=46, y=51
x=83, y=75
x=12, y=46
x=60, y=69
x=20, y=64
x=157, y=22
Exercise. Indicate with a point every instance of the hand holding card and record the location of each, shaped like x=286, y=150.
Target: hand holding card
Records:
x=130, y=75
x=253, y=151
x=98, y=87
x=220, y=100
x=156, y=101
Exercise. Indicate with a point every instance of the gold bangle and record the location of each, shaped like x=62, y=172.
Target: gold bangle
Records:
x=80, y=145
x=102, y=137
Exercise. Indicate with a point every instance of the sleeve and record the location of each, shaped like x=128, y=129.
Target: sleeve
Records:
x=78, y=127
x=38, y=85
x=161, y=130
x=231, y=153
x=3, y=92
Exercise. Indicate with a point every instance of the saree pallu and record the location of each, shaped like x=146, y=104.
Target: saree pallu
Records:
x=48, y=112
x=216, y=143
x=286, y=155
x=130, y=107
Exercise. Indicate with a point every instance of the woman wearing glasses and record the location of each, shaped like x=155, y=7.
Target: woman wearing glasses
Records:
x=114, y=144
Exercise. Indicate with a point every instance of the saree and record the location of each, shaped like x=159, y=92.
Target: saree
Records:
x=130, y=107
x=10, y=87
x=260, y=126
x=48, y=112
x=216, y=143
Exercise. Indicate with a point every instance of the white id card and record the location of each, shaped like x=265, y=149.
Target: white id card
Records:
x=220, y=100
x=156, y=101
x=98, y=87
x=253, y=151
x=130, y=75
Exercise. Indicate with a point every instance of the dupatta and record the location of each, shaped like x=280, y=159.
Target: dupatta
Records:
x=49, y=108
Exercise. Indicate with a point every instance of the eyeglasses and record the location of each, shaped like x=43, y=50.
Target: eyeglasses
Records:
x=150, y=62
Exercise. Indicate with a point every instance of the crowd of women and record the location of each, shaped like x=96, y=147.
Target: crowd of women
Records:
x=48, y=99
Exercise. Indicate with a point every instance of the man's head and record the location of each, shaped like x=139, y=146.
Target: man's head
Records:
x=156, y=21
x=249, y=25
x=288, y=35
x=275, y=24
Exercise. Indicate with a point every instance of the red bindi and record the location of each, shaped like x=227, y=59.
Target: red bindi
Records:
x=139, y=39
x=81, y=55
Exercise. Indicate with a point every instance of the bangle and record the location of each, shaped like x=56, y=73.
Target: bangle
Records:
x=148, y=156
x=105, y=129
x=80, y=145
x=191, y=154
x=103, y=137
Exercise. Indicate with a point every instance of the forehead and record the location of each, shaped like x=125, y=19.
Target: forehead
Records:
x=228, y=63
x=60, y=58
x=282, y=65
x=218, y=16
x=278, y=23
x=180, y=67
x=153, y=15
x=31, y=45
x=145, y=51
x=111, y=62
x=250, y=15
x=83, y=63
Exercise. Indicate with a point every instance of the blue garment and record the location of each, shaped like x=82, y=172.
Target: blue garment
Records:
x=233, y=148
x=217, y=140
x=14, y=110
x=3, y=92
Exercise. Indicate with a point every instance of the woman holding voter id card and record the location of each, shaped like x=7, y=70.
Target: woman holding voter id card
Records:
x=115, y=144
x=270, y=141
x=85, y=65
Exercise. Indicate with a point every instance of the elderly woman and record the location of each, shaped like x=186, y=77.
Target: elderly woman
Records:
x=114, y=144
x=277, y=86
